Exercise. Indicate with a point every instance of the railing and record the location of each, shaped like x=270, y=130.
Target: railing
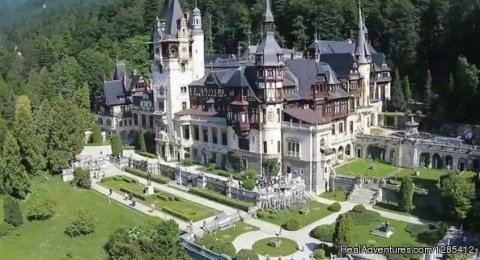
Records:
x=342, y=138
x=296, y=125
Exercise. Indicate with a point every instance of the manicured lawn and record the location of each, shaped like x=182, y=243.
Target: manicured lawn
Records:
x=229, y=234
x=361, y=167
x=287, y=247
x=46, y=240
x=376, y=131
x=425, y=174
x=316, y=212
x=163, y=201
x=337, y=195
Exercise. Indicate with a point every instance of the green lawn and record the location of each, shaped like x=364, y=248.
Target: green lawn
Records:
x=361, y=167
x=337, y=195
x=165, y=201
x=287, y=247
x=425, y=174
x=229, y=234
x=46, y=240
x=316, y=212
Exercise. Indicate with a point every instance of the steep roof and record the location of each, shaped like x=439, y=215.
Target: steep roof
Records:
x=306, y=72
x=172, y=12
x=113, y=92
x=341, y=63
x=270, y=50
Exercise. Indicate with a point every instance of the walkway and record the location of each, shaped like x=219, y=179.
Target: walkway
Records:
x=245, y=240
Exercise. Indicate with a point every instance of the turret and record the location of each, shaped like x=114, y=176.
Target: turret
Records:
x=363, y=57
x=198, y=52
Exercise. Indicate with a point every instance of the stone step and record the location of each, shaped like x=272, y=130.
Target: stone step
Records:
x=362, y=196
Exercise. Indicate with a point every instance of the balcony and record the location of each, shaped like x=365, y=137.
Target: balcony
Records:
x=341, y=138
x=241, y=128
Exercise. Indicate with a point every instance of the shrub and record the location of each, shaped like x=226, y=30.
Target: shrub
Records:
x=116, y=144
x=263, y=214
x=222, y=247
x=405, y=202
x=249, y=184
x=188, y=161
x=236, y=159
x=335, y=207
x=96, y=137
x=147, y=154
x=141, y=141
x=250, y=174
x=5, y=229
x=162, y=197
x=81, y=225
x=156, y=178
x=12, y=213
x=134, y=194
x=177, y=199
x=323, y=233
x=81, y=178
x=319, y=254
x=246, y=254
x=243, y=205
x=211, y=167
x=291, y=224
x=359, y=208
x=41, y=209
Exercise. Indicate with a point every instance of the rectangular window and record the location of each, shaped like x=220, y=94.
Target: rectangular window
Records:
x=183, y=67
x=340, y=128
x=270, y=73
x=135, y=119
x=144, y=121
x=183, y=89
x=278, y=114
x=186, y=132
x=264, y=147
x=224, y=138
x=196, y=133
x=184, y=105
x=351, y=127
x=279, y=146
x=333, y=129
x=214, y=135
x=161, y=106
x=205, y=135
x=244, y=144
x=150, y=119
x=293, y=149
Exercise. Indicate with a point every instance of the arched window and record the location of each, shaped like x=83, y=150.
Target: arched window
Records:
x=322, y=142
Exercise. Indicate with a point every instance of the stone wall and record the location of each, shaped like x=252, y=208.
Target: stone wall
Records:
x=343, y=183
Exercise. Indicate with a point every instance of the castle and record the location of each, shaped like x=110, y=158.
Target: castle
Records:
x=270, y=104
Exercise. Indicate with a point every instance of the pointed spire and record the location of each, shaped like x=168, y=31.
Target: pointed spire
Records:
x=362, y=49
x=268, y=12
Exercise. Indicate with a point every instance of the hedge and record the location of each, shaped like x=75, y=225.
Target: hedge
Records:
x=243, y=205
x=177, y=213
x=156, y=178
x=335, y=207
x=134, y=194
x=146, y=154
x=162, y=197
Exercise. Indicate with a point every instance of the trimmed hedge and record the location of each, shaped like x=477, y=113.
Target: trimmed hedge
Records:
x=156, y=178
x=134, y=194
x=323, y=233
x=239, y=204
x=335, y=207
x=177, y=213
x=146, y=154
x=291, y=225
x=359, y=208
x=162, y=197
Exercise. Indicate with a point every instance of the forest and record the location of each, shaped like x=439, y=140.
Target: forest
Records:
x=70, y=46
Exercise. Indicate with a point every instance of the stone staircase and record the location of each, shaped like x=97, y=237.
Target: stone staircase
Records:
x=362, y=196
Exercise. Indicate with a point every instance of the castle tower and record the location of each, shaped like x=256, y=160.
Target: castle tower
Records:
x=172, y=71
x=364, y=57
x=198, y=55
x=269, y=61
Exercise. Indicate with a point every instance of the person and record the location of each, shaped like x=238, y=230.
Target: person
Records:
x=126, y=196
x=133, y=202
x=152, y=206
x=110, y=192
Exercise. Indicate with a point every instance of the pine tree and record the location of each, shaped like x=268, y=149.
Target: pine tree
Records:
x=82, y=99
x=44, y=127
x=31, y=146
x=141, y=141
x=398, y=99
x=299, y=33
x=14, y=180
x=407, y=93
x=12, y=213
x=427, y=91
x=343, y=234
x=97, y=137
x=116, y=144
x=405, y=202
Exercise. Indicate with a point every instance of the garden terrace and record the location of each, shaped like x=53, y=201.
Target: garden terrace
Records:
x=46, y=239
x=213, y=195
x=315, y=212
x=337, y=195
x=364, y=168
x=166, y=202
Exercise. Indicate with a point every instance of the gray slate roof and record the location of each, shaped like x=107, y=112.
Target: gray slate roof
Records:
x=113, y=90
x=172, y=12
x=306, y=115
x=306, y=72
x=270, y=50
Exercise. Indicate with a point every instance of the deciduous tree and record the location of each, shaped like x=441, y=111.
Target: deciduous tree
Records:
x=458, y=193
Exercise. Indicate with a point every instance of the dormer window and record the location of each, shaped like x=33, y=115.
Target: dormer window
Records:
x=258, y=59
x=280, y=57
